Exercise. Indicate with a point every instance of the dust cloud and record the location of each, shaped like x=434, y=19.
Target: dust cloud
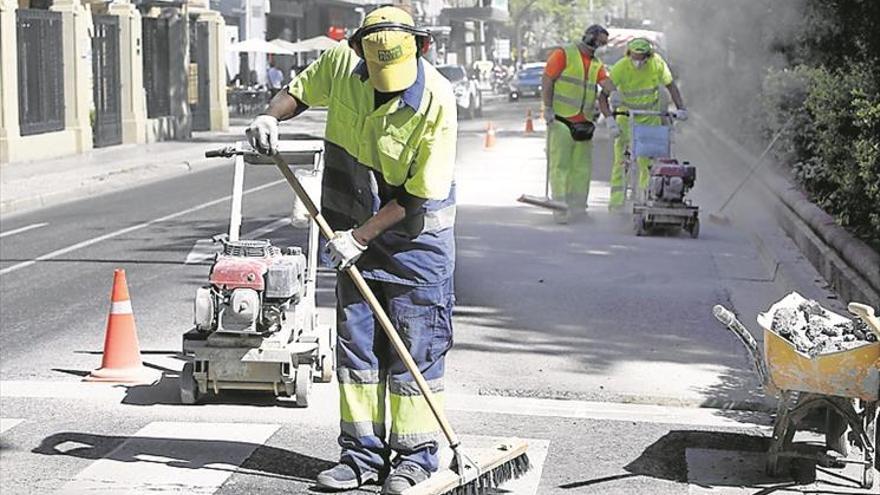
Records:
x=722, y=50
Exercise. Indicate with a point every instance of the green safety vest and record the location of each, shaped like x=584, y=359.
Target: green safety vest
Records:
x=573, y=93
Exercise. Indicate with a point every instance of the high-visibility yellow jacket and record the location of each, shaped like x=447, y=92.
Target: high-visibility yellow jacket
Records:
x=374, y=151
x=574, y=93
x=639, y=88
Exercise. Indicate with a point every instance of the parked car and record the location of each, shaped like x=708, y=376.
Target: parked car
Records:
x=467, y=91
x=526, y=82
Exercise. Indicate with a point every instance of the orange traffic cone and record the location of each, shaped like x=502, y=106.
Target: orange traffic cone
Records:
x=530, y=127
x=489, y=142
x=122, y=355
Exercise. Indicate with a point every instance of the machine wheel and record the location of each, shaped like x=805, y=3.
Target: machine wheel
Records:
x=327, y=355
x=189, y=389
x=303, y=384
x=695, y=228
x=326, y=375
x=870, y=424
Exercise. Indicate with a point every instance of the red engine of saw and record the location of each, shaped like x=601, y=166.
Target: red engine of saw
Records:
x=671, y=180
x=251, y=285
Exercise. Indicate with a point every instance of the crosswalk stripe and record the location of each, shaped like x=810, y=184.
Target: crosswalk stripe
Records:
x=174, y=457
x=8, y=423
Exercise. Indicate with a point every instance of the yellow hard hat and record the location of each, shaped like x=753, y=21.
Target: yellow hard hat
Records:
x=387, y=42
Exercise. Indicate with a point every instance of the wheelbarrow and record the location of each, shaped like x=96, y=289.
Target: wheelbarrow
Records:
x=846, y=383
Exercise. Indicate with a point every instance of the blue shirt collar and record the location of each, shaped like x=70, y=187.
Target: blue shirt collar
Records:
x=411, y=96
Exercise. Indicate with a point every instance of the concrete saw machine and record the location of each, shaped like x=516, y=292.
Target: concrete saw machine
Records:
x=664, y=204
x=255, y=323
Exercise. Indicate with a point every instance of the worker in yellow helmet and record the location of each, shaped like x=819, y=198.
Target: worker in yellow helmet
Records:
x=638, y=77
x=388, y=192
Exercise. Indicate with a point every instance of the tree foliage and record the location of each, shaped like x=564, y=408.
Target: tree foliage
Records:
x=566, y=19
x=754, y=65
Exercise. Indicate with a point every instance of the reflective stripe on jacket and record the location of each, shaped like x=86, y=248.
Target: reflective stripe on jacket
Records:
x=639, y=88
x=372, y=153
x=574, y=93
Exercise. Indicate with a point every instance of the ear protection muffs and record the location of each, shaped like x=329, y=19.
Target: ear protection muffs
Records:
x=591, y=36
x=423, y=37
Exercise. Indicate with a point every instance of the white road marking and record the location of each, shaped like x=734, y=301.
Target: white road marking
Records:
x=8, y=423
x=206, y=248
x=268, y=228
x=604, y=411
x=23, y=229
x=202, y=250
x=95, y=240
x=60, y=390
x=173, y=457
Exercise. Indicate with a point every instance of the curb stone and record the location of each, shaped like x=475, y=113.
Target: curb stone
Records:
x=848, y=264
x=110, y=181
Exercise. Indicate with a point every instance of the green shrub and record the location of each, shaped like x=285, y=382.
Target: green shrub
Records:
x=833, y=142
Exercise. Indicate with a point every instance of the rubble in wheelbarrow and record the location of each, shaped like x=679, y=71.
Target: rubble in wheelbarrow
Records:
x=813, y=331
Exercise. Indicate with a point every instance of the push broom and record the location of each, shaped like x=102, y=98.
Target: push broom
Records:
x=468, y=474
x=544, y=201
x=718, y=216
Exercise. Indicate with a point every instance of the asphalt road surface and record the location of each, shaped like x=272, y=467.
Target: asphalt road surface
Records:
x=597, y=346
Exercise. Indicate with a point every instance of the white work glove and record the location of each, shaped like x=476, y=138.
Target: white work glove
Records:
x=613, y=128
x=262, y=134
x=548, y=115
x=680, y=114
x=343, y=250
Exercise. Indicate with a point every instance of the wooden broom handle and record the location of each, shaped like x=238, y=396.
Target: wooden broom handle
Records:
x=365, y=291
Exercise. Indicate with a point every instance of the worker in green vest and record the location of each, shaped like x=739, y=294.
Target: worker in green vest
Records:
x=569, y=87
x=638, y=77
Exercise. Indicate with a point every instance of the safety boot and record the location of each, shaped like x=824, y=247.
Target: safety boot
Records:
x=344, y=477
x=406, y=475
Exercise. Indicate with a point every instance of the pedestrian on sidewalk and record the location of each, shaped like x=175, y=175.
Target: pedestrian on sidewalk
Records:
x=388, y=192
x=275, y=78
x=568, y=91
x=638, y=77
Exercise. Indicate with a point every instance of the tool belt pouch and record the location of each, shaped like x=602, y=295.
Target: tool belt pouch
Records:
x=580, y=131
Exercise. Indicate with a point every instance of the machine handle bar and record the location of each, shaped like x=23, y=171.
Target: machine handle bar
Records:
x=635, y=113
x=224, y=152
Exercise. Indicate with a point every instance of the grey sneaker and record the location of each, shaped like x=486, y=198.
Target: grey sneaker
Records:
x=344, y=477
x=405, y=476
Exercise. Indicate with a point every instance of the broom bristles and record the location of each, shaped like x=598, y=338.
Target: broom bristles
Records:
x=510, y=470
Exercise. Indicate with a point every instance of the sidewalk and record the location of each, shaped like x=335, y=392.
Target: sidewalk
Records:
x=27, y=186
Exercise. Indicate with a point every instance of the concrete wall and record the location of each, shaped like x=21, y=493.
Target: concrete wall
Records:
x=136, y=127
x=77, y=135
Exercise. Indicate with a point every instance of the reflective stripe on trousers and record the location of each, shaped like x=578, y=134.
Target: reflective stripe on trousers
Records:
x=370, y=372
